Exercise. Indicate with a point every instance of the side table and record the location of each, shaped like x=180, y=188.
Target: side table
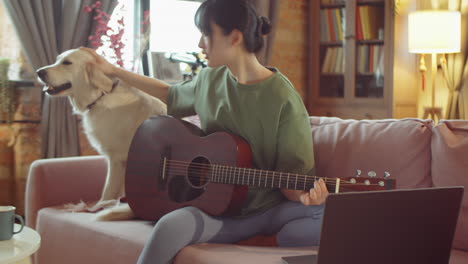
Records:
x=19, y=247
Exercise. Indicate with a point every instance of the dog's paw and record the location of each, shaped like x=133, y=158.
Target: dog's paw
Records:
x=101, y=205
x=117, y=213
x=76, y=207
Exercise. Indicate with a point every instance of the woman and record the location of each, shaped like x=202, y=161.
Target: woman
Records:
x=238, y=95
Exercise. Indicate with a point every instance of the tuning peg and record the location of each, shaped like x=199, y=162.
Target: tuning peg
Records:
x=386, y=174
x=371, y=174
x=358, y=173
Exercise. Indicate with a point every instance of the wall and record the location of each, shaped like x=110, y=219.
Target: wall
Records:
x=19, y=146
x=26, y=139
x=6, y=166
x=289, y=52
x=405, y=65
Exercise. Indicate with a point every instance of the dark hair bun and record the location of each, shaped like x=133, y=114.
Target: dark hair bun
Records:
x=265, y=25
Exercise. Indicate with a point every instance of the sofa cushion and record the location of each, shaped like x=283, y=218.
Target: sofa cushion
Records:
x=75, y=238
x=400, y=147
x=450, y=167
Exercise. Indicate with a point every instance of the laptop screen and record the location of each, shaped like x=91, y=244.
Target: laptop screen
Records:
x=396, y=226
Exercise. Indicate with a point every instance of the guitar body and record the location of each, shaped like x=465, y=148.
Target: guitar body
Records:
x=164, y=173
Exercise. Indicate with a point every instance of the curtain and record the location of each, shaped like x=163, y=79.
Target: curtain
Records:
x=46, y=28
x=141, y=52
x=268, y=9
x=455, y=70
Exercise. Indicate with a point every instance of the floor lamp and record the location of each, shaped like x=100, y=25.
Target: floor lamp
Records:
x=433, y=32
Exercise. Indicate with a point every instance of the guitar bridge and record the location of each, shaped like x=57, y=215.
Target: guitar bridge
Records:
x=163, y=173
x=164, y=168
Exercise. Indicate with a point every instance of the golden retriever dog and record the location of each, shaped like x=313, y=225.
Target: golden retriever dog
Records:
x=111, y=112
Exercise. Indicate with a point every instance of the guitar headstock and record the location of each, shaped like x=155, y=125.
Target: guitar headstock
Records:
x=364, y=183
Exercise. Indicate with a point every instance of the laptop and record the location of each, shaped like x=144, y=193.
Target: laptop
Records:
x=395, y=226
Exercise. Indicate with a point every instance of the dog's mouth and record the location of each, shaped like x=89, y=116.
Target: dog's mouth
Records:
x=52, y=90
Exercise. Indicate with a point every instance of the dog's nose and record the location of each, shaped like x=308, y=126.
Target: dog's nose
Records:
x=42, y=74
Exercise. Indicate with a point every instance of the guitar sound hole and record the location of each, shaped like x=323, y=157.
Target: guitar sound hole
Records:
x=199, y=172
x=180, y=190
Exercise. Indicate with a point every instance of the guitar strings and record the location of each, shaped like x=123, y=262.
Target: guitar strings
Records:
x=222, y=171
x=247, y=177
x=267, y=174
x=329, y=185
x=266, y=183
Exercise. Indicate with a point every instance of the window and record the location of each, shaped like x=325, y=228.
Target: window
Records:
x=173, y=28
x=10, y=48
x=122, y=18
x=174, y=52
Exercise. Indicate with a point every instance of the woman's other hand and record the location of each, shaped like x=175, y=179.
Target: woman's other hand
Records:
x=315, y=196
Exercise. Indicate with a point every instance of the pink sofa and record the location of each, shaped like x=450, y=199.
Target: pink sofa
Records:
x=415, y=152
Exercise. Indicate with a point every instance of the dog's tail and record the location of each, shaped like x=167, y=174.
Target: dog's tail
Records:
x=116, y=213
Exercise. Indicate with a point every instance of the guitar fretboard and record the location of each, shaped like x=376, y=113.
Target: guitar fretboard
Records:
x=261, y=178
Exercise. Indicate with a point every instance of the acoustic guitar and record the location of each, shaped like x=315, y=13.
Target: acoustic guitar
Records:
x=171, y=164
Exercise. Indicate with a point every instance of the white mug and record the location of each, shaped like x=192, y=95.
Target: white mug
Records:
x=7, y=221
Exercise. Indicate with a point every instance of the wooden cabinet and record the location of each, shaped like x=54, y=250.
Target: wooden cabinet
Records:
x=351, y=58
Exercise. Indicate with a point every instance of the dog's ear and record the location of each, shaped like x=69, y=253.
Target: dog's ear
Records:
x=97, y=78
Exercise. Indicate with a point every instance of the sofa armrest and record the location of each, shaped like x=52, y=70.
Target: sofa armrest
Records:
x=58, y=181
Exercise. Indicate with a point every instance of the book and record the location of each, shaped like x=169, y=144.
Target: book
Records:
x=326, y=61
x=331, y=28
x=339, y=25
x=338, y=60
x=359, y=35
x=323, y=26
x=364, y=11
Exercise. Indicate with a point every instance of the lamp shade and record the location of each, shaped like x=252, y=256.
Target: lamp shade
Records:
x=434, y=31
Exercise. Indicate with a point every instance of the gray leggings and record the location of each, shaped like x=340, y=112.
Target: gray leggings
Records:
x=295, y=225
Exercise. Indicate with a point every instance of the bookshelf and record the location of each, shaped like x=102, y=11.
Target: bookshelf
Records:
x=350, y=75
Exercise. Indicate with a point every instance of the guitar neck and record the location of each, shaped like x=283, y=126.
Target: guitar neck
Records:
x=261, y=178
x=282, y=180
x=202, y=173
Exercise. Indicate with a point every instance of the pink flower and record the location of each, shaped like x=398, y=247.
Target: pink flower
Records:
x=97, y=4
x=112, y=37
